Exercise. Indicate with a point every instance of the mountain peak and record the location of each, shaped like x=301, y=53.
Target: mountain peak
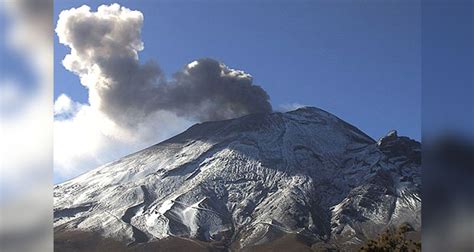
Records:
x=390, y=136
x=249, y=180
x=319, y=122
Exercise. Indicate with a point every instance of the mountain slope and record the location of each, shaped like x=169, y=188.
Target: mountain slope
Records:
x=248, y=181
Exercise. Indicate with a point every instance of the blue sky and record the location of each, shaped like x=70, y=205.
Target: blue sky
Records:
x=448, y=60
x=358, y=60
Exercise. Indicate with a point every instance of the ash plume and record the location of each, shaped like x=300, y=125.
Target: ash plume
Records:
x=104, y=54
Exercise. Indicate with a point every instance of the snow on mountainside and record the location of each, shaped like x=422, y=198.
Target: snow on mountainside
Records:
x=248, y=181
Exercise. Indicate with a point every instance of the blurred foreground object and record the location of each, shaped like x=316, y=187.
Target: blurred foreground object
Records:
x=448, y=123
x=448, y=209
x=26, y=120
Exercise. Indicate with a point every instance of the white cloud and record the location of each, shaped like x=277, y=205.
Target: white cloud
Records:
x=85, y=138
x=65, y=106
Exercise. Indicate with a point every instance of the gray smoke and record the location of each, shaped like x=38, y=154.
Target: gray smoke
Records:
x=104, y=54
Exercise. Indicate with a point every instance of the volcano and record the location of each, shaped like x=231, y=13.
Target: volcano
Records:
x=303, y=177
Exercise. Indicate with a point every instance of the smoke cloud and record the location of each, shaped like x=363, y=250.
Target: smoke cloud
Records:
x=104, y=54
x=132, y=104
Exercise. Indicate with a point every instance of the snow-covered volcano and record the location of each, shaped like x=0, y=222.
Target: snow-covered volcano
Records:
x=249, y=181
